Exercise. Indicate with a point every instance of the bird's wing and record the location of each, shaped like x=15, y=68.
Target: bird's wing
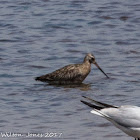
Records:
x=68, y=72
x=127, y=116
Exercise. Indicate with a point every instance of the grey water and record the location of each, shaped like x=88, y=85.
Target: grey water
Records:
x=40, y=36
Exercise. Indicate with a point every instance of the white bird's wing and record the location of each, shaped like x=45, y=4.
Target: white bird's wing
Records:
x=127, y=116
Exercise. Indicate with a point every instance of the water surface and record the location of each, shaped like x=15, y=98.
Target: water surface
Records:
x=38, y=37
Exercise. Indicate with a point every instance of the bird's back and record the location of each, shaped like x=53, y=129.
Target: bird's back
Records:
x=125, y=115
x=70, y=74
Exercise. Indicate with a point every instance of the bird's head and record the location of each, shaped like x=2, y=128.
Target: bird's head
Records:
x=91, y=59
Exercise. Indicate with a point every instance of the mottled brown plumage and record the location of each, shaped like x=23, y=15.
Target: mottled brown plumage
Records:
x=71, y=74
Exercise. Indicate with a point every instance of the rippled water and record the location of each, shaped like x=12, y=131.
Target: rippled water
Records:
x=37, y=37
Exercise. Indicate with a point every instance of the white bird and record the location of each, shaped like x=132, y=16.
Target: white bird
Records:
x=126, y=118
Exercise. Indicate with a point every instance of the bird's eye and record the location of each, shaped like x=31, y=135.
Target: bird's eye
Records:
x=92, y=59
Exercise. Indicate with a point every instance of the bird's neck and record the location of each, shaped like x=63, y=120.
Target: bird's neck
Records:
x=87, y=64
x=86, y=68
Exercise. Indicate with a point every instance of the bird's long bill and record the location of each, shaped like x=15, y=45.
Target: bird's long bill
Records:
x=101, y=69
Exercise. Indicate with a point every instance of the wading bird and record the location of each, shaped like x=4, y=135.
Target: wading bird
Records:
x=126, y=118
x=71, y=74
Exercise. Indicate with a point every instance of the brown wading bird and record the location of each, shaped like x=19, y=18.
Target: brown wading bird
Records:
x=71, y=74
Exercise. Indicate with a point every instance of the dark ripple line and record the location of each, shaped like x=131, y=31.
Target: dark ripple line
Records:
x=8, y=40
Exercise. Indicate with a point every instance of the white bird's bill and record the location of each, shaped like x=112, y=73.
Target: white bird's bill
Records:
x=126, y=118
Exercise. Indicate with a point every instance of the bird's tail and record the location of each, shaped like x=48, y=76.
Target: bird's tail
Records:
x=97, y=109
x=92, y=105
x=100, y=104
x=37, y=78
